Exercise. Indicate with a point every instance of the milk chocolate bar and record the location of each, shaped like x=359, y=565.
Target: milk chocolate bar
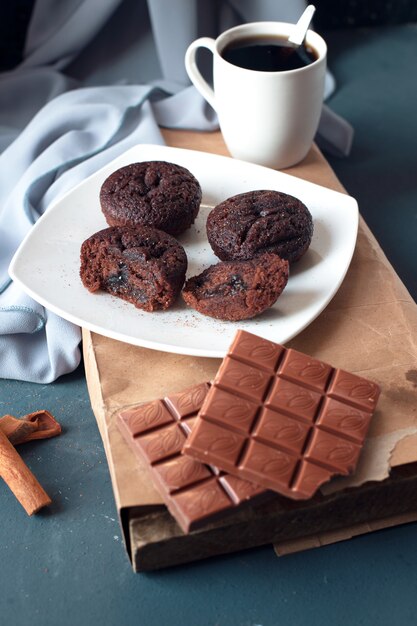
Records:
x=194, y=493
x=282, y=419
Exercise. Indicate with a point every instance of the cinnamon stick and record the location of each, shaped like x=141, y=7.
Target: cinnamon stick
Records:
x=37, y=425
x=20, y=479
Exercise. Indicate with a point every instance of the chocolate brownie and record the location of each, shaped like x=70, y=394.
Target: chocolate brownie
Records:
x=151, y=193
x=260, y=221
x=143, y=265
x=237, y=290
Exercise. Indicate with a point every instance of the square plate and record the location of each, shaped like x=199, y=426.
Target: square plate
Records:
x=47, y=263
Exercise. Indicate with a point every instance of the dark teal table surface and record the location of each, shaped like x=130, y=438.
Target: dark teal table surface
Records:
x=67, y=565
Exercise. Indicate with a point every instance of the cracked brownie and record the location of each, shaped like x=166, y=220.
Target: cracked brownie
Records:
x=237, y=290
x=143, y=265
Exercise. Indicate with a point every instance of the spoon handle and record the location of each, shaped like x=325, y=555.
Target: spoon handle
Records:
x=301, y=27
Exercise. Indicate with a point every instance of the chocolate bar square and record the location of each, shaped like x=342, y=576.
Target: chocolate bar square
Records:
x=282, y=419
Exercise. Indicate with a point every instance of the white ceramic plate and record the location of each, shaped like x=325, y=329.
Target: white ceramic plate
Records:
x=47, y=263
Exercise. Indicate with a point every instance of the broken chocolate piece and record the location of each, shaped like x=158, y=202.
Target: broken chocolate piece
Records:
x=282, y=419
x=194, y=493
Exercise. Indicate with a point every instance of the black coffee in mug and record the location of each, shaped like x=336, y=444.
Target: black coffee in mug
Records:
x=266, y=53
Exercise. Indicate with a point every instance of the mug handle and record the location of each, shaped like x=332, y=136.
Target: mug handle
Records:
x=194, y=73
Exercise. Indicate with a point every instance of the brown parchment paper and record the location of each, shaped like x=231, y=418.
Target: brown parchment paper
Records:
x=368, y=328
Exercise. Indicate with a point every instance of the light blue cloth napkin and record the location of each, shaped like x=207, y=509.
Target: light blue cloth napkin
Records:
x=55, y=131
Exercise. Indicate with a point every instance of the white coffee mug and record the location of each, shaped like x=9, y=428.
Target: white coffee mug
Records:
x=266, y=117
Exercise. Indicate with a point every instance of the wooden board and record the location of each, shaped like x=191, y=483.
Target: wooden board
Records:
x=156, y=541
